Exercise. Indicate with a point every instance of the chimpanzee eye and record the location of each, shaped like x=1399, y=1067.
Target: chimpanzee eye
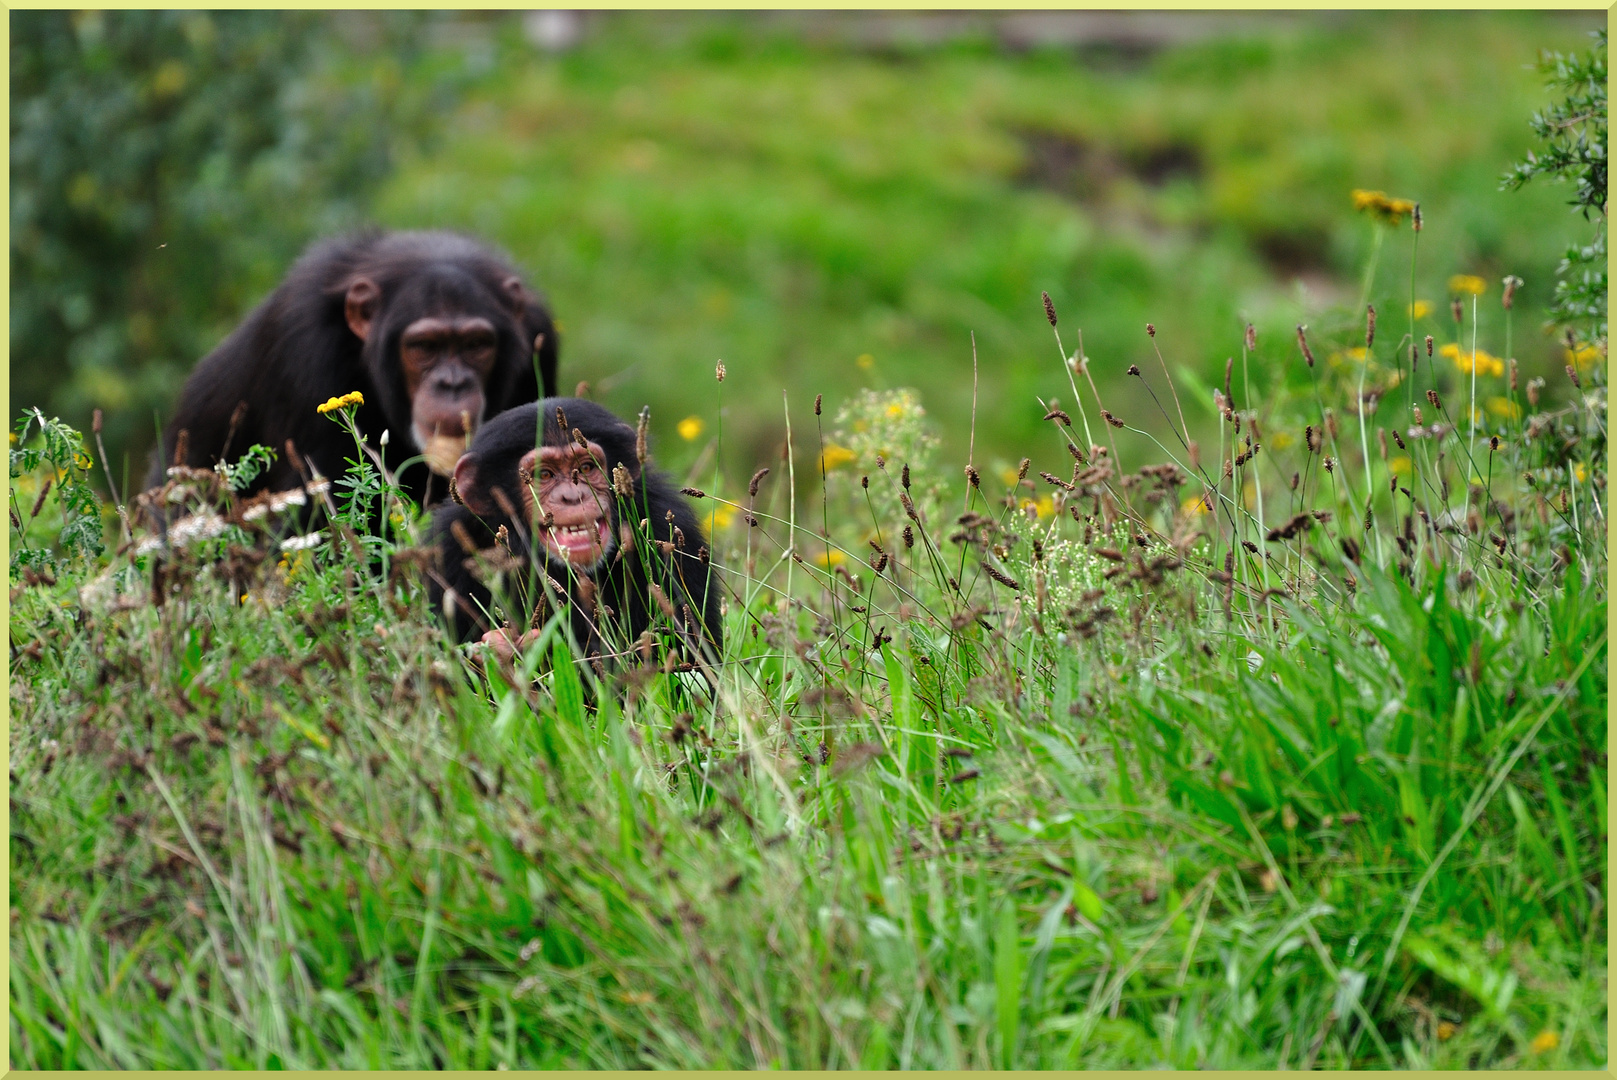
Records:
x=588, y=466
x=546, y=475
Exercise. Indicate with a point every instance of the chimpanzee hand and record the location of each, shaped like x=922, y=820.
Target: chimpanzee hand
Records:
x=504, y=647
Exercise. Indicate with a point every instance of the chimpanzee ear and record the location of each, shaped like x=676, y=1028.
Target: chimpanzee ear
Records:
x=516, y=294
x=360, y=305
x=465, y=484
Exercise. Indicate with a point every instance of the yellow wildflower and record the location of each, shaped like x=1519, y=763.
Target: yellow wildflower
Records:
x=1380, y=205
x=1485, y=363
x=834, y=456
x=1545, y=1041
x=825, y=560
x=1355, y=355
x=1579, y=472
x=1399, y=464
x=1504, y=408
x=1196, y=504
x=1467, y=283
x=1584, y=357
x=690, y=427
x=1008, y=476
x=1420, y=309
x=1280, y=440
x=353, y=397
x=1446, y=1030
x=723, y=514
x=866, y=361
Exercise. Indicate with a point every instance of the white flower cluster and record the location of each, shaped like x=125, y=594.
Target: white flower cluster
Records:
x=280, y=501
x=195, y=529
x=302, y=543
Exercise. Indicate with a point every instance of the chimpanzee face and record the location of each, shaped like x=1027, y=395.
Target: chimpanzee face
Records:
x=447, y=350
x=566, y=495
x=446, y=362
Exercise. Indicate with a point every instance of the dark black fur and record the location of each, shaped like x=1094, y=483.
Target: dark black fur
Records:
x=687, y=579
x=296, y=350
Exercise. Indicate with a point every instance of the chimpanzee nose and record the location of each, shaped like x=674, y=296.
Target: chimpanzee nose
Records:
x=454, y=383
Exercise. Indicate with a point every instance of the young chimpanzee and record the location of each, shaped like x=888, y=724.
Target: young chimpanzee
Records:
x=563, y=514
x=434, y=329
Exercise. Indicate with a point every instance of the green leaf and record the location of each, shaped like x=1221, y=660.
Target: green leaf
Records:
x=568, y=692
x=1490, y=986
x=1008, y=982
x=1089, y=902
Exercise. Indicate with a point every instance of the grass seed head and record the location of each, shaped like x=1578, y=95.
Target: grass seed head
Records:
x=1049, y=308
x=1021, y=470
x=718, y=371
x=1251, y=340
x=1508, y=297
x=817, y=399
x=1457, y=309
x=1370, y=327
x=1428, y=345
x=1572, y=373
x=1437, y=402
x=972, y=476
x=757, y=478
x=1302, y=343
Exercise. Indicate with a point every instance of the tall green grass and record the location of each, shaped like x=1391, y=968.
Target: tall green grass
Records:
x=1165, y=769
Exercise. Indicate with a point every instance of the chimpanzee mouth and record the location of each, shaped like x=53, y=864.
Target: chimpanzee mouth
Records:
x=582, y=545
x=442, y=452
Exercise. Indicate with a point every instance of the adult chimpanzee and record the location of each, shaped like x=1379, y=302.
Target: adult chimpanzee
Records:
x=434, y=329
x=571, y=512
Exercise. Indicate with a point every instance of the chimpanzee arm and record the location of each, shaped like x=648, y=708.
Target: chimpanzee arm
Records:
x=449, y=573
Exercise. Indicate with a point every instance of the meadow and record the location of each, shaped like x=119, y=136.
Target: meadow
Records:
x=1247, y=713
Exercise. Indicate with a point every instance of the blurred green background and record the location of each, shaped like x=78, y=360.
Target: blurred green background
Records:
x=824, y=201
